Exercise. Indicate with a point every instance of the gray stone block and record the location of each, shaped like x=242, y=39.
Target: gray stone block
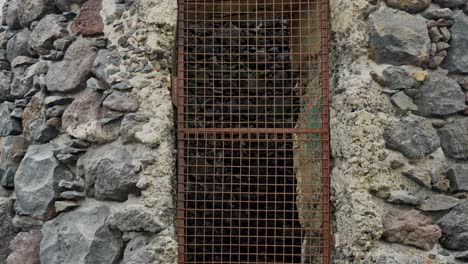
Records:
x=398, y=38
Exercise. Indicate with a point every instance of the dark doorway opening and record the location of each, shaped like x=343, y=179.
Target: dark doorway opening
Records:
x=252, y=133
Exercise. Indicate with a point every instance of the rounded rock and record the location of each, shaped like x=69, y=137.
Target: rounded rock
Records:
x=18, y=45
x=450, y=3
x=411, y=6
x=33, y=10
x=454, y=227
x=69, y=5
x=46, y=32
x=25, y=248
x=454, y=139
x=35, y=182
x=10, y=14
x=398, y=38
x=80, y=236
x=109, y=173
x=413, y=136
x=434, y=101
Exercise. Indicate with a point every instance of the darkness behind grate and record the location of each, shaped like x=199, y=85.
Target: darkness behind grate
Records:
x=252, y=132
x=240, y=200
x=239, y=75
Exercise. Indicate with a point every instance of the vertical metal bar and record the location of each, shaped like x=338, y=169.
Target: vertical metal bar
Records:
x=324, y=20
x=180, y=135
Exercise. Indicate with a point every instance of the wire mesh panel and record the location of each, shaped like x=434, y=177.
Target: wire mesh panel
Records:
x=252, y=98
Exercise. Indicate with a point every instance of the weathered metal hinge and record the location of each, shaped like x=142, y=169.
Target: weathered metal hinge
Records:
x=174, y=90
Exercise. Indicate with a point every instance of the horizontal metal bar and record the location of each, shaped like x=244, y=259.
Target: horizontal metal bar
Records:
x=252, y=130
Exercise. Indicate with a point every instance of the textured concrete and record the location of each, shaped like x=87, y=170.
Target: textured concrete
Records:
x=157, y=19
x=360, y=113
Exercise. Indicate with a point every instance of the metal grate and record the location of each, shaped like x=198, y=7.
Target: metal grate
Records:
x=253, y=151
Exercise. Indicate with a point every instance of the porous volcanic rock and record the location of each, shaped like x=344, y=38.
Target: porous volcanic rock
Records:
x=82, y=120
x=25, y=248
x=36, y=126
x=89, y=21
x=410, y=228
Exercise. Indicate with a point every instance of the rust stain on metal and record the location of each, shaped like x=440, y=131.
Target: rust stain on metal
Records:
x=253, y=139
x=174, y=90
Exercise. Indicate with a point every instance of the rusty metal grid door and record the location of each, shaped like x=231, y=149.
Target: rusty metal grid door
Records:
x=252, y=128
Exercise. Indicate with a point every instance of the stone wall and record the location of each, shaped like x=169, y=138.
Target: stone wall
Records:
x=86, y=127
x=399, y=131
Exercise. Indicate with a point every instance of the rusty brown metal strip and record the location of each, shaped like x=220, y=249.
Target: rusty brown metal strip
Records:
x=324, y=21
x=174, y=90
x=179, y=86
x=254, y=130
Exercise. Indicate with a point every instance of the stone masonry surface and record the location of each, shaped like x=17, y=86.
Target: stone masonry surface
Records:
x=87, y=147
x=399, y=131
x=86, y=132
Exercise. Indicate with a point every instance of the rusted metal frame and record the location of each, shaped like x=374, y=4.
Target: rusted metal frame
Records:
x=323, y=131
x=324, y=21
x=256, y=130
x=179, y=96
